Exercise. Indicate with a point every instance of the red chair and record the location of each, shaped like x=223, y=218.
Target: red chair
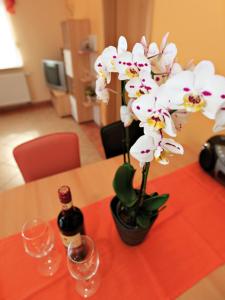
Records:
x=48, y=155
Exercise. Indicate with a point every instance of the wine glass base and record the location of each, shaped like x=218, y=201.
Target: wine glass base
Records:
x=49, y=264
x=87, y=288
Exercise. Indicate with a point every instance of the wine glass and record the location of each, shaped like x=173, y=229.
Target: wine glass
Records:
x=83, y=263
x=38, y=240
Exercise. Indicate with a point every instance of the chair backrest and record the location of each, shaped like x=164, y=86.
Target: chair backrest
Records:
x=113, y=138
x=48, y=155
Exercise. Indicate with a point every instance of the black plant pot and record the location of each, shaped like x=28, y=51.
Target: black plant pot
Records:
x=130, y=235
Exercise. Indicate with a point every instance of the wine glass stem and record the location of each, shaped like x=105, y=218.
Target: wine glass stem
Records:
x=87, y=287
x=49, y=264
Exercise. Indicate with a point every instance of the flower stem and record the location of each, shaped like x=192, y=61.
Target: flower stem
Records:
x=113, y=91
x=145, y=171
x=165, y=73
x=126, y=129
x=123, y=99
x=127, y=138
x=149, y=57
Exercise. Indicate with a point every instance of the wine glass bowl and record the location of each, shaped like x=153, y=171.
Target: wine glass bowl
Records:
x=83, y=264
x=38, y=238
x=38, y=241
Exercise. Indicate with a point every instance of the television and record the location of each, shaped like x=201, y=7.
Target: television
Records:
x=54, y=72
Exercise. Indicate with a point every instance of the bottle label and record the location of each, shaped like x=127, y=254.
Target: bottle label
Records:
x=66, y=206
x=68, y=239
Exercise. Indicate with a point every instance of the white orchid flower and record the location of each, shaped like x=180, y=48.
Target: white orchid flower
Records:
x=104, y=77
x=154, y=50
x=152, y=114
x=102, y=70
x=148, y=147
x=143, y=149
x=165, y=147
x=143, y=84
x=101, y=91
x=198, y=90
x=110, y=54
x=220, y=118
x=162, y=58
x=130, y=64
x=179, y=118
x=167, y=58
x=126, y=115
x=105, y=63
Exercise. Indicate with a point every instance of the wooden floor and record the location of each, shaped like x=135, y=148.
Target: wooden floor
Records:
x=23, y=124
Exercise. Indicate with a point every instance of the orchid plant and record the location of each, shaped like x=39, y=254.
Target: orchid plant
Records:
x=161, y=95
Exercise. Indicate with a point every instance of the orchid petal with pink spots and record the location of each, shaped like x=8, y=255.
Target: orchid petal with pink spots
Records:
x=143, y=149
x=153, y=115
x=166, y=146
x=130, y=64
x=172, y=146
x=198, y=90
x=110, y=54
x=141, y=85
x=101, y=69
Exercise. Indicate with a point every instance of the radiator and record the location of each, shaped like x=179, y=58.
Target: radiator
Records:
x=13, y=89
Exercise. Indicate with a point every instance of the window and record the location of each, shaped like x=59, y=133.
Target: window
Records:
x=10, y=56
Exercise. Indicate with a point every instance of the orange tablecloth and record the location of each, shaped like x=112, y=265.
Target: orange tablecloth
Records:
x=184, y=245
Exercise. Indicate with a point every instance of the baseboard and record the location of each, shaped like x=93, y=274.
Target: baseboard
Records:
x=28, y=105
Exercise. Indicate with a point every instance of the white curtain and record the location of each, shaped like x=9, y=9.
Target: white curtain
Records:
x=10, y=56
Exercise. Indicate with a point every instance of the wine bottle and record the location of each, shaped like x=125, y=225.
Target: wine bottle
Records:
x=70, y=219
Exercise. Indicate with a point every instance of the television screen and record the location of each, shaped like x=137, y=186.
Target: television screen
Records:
x=55, y=74
x=52, y=74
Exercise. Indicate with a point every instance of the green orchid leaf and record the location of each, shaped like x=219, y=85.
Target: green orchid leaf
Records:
x=155, y=202
x=143, y=220
x=151, y=195
x=154, y=194
x=123, y=185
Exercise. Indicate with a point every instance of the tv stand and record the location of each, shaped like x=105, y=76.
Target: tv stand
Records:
x=61, y=103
